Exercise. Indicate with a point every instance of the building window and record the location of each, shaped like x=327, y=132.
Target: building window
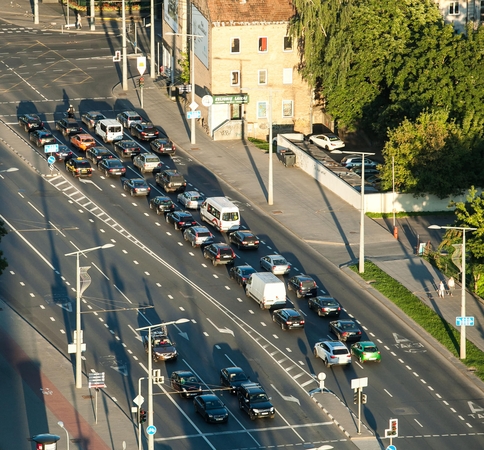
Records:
x=235, y=111
x=262, y=76
x=287, y=108
x=288, y=43
x=287, y=76
x=262, y=110
x=235, y=45
x=234, y=78
x=454, y=8
x=263, y=44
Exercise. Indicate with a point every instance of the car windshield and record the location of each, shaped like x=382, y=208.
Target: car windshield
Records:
x=213, y=404
x=333, y=138
x=230, y=216
x=97, y=117
x=257, y=398
x=191, y=379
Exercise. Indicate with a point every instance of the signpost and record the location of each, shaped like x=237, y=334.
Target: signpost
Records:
x=141, y=64
x=464, y=321
x=151, y=430
x=194, y=114
x=357, y=384
x=96, y=381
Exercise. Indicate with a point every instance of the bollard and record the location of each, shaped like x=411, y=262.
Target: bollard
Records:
x=395, y=232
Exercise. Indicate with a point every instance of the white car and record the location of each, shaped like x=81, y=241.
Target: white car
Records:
x=332, y=353
x=146, y=162
x=276, y=264
x=329, y=141
x=190, y=199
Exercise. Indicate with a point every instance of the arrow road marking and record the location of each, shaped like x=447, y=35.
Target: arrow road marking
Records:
x=182, y=333
x=121, y=369
x=288, y=398
x=135, y=333
x=221, y=330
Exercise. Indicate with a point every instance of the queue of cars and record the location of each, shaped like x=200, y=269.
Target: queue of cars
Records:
x=251, y=396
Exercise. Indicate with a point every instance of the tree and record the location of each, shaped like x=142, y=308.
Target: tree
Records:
x=3, y=261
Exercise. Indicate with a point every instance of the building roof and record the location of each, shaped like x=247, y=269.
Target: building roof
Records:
x=248, y=12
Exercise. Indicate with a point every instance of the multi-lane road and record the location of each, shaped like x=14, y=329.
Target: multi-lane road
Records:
x=151, y=266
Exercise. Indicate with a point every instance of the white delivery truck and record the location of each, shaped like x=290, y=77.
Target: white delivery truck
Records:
x=267, y=290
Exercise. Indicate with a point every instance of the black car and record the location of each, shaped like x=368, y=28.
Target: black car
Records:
x=30, y=122
x=219, y=253
x=136, y=187
x=163, y=146
x=111, y=166
x=171, y=181
x=288, y=318
x=324, y=306
x=162, y=204
x=186, y=383
x=345, y=330
x=42, y=137
x=68, y=127
x=304, y=286
x=79, y=167
x=162, y=348
x=91, y=118
x=233, y=377
x=211, y=408
x=254, y=401
x=127, y=148
x=241, y=273
x=244, y=239
x=144, y=131
x=95, y=154
x=63, y=153
x=180, y=219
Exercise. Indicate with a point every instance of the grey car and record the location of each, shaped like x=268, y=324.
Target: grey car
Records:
x=197, y=235
x=276, y=264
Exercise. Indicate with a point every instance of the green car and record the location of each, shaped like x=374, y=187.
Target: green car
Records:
x=366, y=351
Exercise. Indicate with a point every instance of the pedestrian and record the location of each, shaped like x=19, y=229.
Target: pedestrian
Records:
x=451, y=284
x=79, y=21
x=441, y=289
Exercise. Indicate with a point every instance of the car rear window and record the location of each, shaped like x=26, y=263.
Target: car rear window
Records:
x=204, y=233
x=307, y=284
x=138, y=183
x=370, y=349
x=279, y=262
x=340, y=351
x=226, y=251
x=83, y=165
x=153, y=160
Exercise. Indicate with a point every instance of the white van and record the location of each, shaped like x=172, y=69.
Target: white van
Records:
x=109, y=130
x=266, y=289
x=221, y=213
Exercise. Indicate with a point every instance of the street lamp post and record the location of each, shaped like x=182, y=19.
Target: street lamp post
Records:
x=78, y=309
x=463, y=281
x=61, y=424
x=151, y=442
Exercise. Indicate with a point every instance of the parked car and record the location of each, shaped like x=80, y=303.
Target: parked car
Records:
x=162, y=204
x=171, y=181
x=91, y=118
x=162, y=348
x=127, y=118
x=254, y=401
x=79, y=167
x=332, y=353
x=211, y=408
x=180, y=219
x=324, y=306
x=328, y=141
x=190, y=199
x=186, y=383
x=163, y=146
x=233, y=377
x=288, y=318
x=241, y=273
x=352, y=161
x=111, y=166
x=42, y=137
x=345, y=330
x=219, y=253
x=96, y=154
x=366, y=351
x=136, y=186
x=303, y=285
x=30, y=122
x=276, y=264
x=244, y=239
x=68, y=127
x=197, y=235
x=83, y=141
x=127, y=148
x=144, y=131
x=146, y=162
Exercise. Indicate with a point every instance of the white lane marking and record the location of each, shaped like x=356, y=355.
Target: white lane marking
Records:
x=35, y=209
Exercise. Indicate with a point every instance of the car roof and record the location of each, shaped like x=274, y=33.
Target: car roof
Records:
x=208, y=397
x=84, y=136
x=302, y=276
x=199, y=228
x=233, y=370
x=290, y=311
x=183, y=373
x=164, y=197
x=192, y=193
x=334, y=344
x=220, y=245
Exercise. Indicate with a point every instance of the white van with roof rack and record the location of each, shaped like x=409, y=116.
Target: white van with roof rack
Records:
x=221, y=213
x=109, y=130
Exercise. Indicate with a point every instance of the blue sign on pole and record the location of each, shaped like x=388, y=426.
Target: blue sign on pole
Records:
x=151, y=430
x=194, y=114
x=51, y=160
x=466, y=321
x=391, y=447
x=51, y=148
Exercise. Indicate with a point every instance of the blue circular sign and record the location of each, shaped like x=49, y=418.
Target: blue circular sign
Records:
x=391, y=447
x=151, y=430
x=51, y=159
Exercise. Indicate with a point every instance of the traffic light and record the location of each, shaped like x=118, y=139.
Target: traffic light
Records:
x=394, y=427
x=364, y=398
x=142, y=416
x=356, y=396
x=141, y=81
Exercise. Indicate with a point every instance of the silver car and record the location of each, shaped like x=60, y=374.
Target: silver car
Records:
x=190, y=199
x=197, y=235
x=276, y=264
x=332, y=353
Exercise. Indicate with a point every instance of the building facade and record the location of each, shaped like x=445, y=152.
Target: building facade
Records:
x=461, y=13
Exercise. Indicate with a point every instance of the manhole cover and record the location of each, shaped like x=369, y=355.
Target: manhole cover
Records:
x=276, y=212
x=404, y=411
x=87, y=397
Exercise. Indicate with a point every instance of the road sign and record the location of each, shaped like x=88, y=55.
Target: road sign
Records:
x=51, y=148
x=141, y=64
x=194, y=114
x=466, y=321
x=207, y=100
x=51, y=160
x=72, y=348
x=96, y=380
x=391, y=447
x=151, y=430
x=139, y=400
x=359, y=383
x=193, y=106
